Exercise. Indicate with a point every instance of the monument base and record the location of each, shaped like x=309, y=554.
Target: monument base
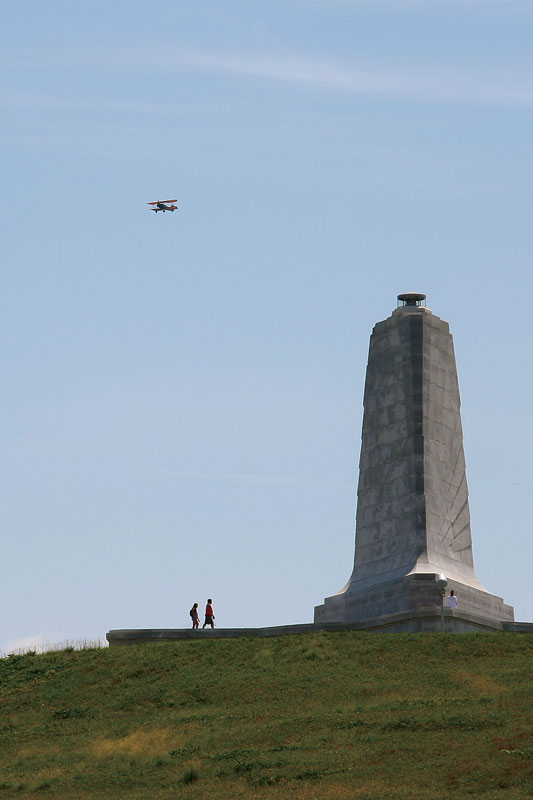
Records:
x=410, y=595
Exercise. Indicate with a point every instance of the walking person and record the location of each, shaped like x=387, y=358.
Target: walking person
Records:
x=209, y=616
x=194, y=615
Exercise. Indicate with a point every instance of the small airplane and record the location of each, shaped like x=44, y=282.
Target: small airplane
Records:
x=163, y=205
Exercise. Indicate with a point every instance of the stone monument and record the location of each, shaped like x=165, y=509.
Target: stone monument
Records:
x=413, y=518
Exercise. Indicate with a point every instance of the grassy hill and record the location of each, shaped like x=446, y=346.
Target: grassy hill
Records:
x=338, y=715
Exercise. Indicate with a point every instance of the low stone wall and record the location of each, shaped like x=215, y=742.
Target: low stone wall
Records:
x=430, y=620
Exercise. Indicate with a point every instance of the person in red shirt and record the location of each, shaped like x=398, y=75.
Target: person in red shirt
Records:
x=209, y=616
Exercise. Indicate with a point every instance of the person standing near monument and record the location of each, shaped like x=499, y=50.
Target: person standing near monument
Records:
x=209, y=616
x=452, y=600
x=194, y=615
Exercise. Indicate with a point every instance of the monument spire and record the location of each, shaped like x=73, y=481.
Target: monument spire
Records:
x=413, y=518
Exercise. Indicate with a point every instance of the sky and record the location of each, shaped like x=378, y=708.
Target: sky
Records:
x=182, y=393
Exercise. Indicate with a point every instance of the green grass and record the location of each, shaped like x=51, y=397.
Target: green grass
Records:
x=338, y=715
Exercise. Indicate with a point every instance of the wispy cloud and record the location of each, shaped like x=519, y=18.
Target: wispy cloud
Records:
x=249, y=478
x=427, y=83
x=232, y=477
x=63, y=102
x=447, y=87
x=40, y=643
x=24, y=643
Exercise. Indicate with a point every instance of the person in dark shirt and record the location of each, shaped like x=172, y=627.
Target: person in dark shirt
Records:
x=209, y=616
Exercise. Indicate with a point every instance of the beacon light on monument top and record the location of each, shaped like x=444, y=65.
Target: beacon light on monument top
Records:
x=413, y=518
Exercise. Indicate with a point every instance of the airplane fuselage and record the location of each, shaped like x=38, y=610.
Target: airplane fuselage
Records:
x=162, y=207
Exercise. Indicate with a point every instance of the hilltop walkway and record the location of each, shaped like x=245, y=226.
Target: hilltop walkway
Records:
x=454, y=622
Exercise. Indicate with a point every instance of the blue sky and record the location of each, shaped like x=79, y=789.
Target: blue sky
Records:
x=182, y=397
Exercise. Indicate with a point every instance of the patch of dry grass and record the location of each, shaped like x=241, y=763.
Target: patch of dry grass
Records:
x=140, y=744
